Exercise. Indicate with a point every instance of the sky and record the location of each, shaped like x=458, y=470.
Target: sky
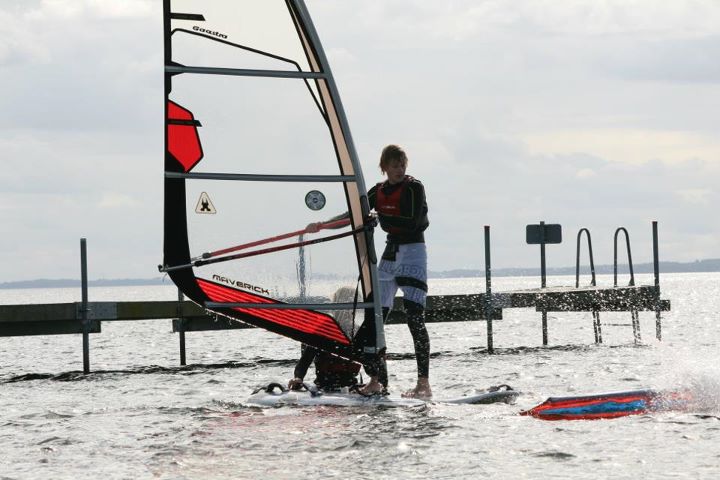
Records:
x=587, y=113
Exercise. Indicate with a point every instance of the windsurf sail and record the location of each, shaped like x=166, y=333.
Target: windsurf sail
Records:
x=609, y=405
x=256, y=144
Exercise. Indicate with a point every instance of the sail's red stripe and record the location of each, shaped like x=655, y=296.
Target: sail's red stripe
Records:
x=302, y=320
x=283, y=317
x=183, y=140
x=306, y=321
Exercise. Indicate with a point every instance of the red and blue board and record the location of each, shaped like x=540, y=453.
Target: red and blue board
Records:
x=608, y=405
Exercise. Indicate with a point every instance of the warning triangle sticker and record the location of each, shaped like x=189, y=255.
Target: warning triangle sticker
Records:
x=204, y=204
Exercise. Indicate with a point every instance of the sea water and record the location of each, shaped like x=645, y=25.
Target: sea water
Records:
x=141, y=415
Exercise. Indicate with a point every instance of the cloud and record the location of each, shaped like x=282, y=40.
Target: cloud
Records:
x=696, y=195
x=19, y=44
x=470, y=19
x=585, y=113
x=585, y=173
x=79, y=65
x=662, y=59
x=114, y=200
x=53, y=10
x=628, y=145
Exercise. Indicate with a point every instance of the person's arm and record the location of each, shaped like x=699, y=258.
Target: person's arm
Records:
x=315, y=227
x=301, y=367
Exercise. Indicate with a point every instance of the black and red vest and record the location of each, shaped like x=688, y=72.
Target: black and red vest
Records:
x=402, y=210
x=389, y=205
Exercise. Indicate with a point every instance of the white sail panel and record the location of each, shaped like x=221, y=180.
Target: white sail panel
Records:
x=244, y=34
x=257, y=125
x=247, y=212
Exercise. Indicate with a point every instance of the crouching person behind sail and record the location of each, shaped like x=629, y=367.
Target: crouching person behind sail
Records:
x=332, y=373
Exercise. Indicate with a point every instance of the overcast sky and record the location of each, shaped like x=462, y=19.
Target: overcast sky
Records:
x=587, y=113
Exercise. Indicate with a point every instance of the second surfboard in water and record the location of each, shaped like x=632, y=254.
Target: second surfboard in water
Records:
x=609, y=405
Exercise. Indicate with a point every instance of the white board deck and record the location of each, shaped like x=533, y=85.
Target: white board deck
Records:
x=306, y=398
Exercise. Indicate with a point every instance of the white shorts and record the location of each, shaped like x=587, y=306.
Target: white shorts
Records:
x=408, y=272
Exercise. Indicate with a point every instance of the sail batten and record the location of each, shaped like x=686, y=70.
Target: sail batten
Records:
x=187, y=16
x=290, y=306
x=262, y=177
x=243, y=72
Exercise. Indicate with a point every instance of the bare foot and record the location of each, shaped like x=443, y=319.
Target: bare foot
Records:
x=372, y=387
x=421, y=390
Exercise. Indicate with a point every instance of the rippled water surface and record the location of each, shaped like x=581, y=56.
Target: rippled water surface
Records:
x=141, y=415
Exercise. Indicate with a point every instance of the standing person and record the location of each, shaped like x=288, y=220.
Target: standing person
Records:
x=402, y=212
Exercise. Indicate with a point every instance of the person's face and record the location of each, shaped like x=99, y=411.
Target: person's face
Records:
x=395, y=171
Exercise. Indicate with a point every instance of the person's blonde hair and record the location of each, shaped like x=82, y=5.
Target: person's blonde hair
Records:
x=390, y=154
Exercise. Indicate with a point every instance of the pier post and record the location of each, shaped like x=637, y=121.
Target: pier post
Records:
x=540, y=235
x=84, y=306
x=597, y=327
x=543, y=283
x=635, y=315
x=656, y=269
x=543, y=280
x=488, y=292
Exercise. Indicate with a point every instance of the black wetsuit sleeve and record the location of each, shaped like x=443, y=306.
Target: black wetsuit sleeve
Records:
x=372, y=196
x=306, y=359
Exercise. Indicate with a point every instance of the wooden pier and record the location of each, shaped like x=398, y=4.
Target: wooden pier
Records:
x=186, y=316
x=87, y=317
x=65, y=318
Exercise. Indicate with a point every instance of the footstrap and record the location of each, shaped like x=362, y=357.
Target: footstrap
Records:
x=356, y=388
x=504, y=387
x=270, y=388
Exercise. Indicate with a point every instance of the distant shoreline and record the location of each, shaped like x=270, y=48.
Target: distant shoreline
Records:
x=698, y=266
x=69, y=282
x=711, y=265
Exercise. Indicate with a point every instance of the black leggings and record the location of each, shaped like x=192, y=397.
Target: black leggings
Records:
x=377, y=367
x=421, y=340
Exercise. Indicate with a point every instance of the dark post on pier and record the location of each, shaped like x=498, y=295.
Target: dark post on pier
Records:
x=84, y=306
x=542, y=234
x=656, y=271
x=488, y=292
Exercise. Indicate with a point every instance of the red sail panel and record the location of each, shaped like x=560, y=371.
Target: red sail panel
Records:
x=306, y=321
x=183, y=139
